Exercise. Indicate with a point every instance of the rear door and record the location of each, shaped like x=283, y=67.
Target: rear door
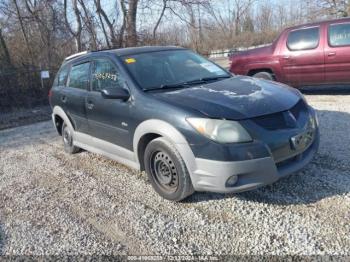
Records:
x=108, y=118
x=74, y=95
x=58, y=88
x=337, y=54
x=302, y=56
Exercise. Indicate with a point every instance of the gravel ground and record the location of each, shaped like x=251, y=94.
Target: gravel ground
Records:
x=54, y=203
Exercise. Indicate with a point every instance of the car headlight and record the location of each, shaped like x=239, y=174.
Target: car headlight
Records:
x=222, y=131
x=313, y=121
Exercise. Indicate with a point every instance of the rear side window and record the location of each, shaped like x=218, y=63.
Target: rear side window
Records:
x=303, y=39
x=105, y=75
x=339, y=34
x=61, y=77
x=79, y=76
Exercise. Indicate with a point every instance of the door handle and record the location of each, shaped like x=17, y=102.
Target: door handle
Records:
x=286, y=57
x=90, y=105
x=63, y=98
x=332, y=53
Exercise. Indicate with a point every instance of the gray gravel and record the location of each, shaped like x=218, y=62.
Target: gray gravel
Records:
x=54, y=203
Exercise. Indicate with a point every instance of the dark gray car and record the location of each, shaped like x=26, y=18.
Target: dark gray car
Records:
x=190, y=124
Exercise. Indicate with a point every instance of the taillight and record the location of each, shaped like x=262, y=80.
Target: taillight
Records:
x=50, y=93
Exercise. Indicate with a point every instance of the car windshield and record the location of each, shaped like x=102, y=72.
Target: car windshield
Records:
x=172, y=69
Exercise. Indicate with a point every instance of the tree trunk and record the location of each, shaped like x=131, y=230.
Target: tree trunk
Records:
x=104, y=30
x=30, y=53
x=122, y=28
x=89, y=25
x=101, y=12
x=131, y=23
x=77, y=34
x=159, y=19
x=4, y=52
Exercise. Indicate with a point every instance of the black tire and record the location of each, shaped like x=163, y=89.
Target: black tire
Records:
x=167, y=171
x=264, y=75
x=67, y=138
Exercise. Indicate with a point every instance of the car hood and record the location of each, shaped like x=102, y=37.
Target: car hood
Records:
x=265, y=50
x=236, y=98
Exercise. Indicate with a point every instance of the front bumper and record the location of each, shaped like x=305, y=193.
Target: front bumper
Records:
x=212, y=175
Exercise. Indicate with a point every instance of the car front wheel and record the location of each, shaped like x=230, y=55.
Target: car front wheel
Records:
x=167, y=171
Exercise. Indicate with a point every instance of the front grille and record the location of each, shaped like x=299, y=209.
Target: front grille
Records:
x=282, y=120
x=298, y=109
x=289, y=161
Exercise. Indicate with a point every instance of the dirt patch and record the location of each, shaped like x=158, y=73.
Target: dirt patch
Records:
x=22, y=117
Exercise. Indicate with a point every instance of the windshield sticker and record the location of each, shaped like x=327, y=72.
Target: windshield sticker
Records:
x=105, y=76
x=130, y=60
x=211, y=67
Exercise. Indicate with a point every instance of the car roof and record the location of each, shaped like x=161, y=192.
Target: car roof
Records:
x=122, y=51
x=144, y=49
x=339, y=20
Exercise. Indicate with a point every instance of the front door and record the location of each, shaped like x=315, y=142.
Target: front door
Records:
x=337, y=54
x=107, y=118
x=302, y=57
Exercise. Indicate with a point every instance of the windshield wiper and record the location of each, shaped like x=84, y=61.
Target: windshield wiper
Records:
x=167, y=86
x=205, y=80
x=214, y=78
x=187, y=83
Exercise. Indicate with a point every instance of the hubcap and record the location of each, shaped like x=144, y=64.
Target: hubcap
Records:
x=164, y=171
x=67, y=138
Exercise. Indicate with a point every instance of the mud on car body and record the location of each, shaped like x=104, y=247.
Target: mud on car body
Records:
x=191, y=125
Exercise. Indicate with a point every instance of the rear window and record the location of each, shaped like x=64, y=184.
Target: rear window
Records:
x=339, y=34
x=79, y=76
x=303, y=39
x=61, y=77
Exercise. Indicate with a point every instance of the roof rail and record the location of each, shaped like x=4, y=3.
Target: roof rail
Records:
x=75, y=55
x=104, y=49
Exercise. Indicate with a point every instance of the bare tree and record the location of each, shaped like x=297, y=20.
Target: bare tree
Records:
x=130, y=15
x=23, y=30
x=4, y=52
x=112, y=36
x=44, y=16
x=339, y=8
x=89, y=22
x=164, y=7
x=76, y=33
x=240, y=10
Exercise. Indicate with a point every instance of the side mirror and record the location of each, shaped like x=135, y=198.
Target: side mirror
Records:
x=115, y=93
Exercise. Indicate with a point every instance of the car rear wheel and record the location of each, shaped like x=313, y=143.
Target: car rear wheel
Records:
x=167, y=171
x=264, y=75
x=67, y=137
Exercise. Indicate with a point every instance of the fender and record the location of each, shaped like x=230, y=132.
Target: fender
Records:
x=274, y=66
x=57, y=110
x=96, y=145
x=170, y=133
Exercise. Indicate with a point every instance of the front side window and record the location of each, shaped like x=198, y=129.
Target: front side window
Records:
x=154, y=70
x=79, y=76
x=339, y=34
x=105, y=75
x=303, y=39
x=61, y=76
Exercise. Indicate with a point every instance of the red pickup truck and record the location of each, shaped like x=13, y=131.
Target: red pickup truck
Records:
x=306, y=55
